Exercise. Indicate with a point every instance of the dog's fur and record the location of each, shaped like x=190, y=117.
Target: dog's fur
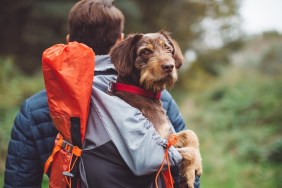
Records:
x=151, y=61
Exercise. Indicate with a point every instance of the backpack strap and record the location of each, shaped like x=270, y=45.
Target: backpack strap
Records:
x=106, y=72
x=76, y=140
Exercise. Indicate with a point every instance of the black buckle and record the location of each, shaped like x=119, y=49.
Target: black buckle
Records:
x=67, y=146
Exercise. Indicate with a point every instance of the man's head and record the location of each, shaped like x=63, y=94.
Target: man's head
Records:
x=96, y=23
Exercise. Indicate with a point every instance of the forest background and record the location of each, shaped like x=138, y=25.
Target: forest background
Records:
x=229, y=90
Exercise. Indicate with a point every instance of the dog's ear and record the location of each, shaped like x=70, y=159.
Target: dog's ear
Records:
x=123, y=54
x=177, y=54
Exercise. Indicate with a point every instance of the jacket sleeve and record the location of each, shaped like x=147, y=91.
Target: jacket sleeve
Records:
x=172, y=111
x=23, y=168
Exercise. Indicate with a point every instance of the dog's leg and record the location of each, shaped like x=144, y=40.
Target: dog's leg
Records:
x=198, y=164
x=188, y=166
x=186, y=138
x=188, y=146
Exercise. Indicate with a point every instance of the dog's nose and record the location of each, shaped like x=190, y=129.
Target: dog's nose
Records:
x=167, y=67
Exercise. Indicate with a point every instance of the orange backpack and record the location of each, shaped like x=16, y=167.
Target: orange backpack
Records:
x=68, y=72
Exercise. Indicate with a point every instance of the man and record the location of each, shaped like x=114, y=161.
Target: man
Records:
x=98, y=24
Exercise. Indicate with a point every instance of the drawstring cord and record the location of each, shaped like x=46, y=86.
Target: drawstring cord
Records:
x=167, y=176
x=68, y=179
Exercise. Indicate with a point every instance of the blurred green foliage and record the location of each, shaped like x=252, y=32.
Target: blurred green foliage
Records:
x=237, y=114
x=31, y=26
x=238, y=120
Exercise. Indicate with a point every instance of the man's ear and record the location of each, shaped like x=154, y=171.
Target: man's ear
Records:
x=67, y=38
x=123, y=54
x=120, y=38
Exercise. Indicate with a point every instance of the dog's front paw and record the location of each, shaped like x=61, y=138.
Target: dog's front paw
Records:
x=187, y=143
x=198, y=163
x=199, y=167
x=183, y=182
x=191, y=165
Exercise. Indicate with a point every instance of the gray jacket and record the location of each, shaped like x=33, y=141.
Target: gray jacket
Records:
x=112, y=120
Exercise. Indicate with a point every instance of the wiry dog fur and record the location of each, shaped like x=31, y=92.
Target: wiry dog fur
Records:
x=151, y=61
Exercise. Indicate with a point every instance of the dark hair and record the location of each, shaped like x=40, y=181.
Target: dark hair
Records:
x=96, y=23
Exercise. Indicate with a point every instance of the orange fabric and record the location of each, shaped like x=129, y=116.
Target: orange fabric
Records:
x=166, y=174
x=60, y=164
x=68, y=72
x=58, y=145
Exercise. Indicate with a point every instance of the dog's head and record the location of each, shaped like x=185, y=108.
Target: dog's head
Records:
x=147, y=60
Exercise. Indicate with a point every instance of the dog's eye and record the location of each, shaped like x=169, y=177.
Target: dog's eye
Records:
x=146, y=52
x=168, y=48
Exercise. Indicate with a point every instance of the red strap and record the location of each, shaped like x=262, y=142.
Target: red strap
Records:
x=168, y=179
x=133, y=89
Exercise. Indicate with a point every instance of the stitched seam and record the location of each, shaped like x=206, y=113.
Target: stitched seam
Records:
x=100, y=116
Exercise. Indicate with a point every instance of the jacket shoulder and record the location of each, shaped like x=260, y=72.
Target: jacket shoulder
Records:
x=32, y=140
x=36, y=110
x=172, y=111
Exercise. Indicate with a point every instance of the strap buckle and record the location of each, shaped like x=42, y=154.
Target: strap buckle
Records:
x=67, y=146
x=112, y=87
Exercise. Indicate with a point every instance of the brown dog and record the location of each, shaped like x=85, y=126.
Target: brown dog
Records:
x=150, y=62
